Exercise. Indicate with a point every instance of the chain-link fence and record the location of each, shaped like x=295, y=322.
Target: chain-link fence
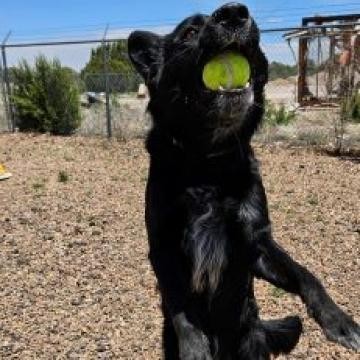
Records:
x=106, y=97
x=311, y=67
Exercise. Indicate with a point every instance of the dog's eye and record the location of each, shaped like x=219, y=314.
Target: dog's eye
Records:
x=190, y=33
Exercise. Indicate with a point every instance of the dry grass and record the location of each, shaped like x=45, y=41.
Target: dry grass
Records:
x=75, y=281
x=312, y=128
x=130, y=121
x=128, y=116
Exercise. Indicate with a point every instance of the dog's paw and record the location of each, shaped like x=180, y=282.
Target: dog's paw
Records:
x=343, y=330
x=194, y=345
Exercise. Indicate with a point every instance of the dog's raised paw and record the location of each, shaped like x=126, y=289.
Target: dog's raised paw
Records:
x=344, y=331
x=194, y=346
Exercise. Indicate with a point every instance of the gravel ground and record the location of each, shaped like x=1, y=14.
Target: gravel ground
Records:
x=75, y=282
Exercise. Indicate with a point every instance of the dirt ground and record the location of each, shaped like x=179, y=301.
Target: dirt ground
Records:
x=75, y=282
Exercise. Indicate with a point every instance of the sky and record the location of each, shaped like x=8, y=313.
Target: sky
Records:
x=40, y=20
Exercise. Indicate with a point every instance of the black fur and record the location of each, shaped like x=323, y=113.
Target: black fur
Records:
x=206, y=209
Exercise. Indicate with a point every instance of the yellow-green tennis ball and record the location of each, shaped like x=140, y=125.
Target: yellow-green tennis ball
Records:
x=229, y=70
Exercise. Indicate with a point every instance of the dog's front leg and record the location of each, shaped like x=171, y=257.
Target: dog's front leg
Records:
x=192, y=342
x=277, y=267
x=165, y=224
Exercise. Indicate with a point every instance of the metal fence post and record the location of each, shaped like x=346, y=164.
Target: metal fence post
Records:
x=4, y=97
x=107, y=88
x=7, y=93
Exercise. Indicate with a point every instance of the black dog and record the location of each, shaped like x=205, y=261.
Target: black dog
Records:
x=206, y=209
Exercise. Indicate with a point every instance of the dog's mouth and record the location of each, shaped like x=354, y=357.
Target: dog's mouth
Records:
x=228, y=100
x=230, y=91
x=229, y=84
x=227, y=73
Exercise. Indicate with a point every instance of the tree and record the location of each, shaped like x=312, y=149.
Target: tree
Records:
x=279, y=70
x=46, y=97
x=120, y=72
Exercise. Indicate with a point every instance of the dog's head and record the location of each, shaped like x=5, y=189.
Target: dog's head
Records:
x=172, y=67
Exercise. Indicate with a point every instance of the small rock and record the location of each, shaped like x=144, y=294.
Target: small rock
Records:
x=78, y=300
x=102, y=345
x=78, y=230
x=49, y=236
x=96, y=232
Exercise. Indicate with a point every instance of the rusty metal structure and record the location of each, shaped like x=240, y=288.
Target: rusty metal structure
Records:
x=328, y=59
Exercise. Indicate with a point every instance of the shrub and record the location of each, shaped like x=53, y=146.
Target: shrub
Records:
x=355, y=107
x=46, y=97
x=313, y=136
x=277, y=115
x=278, y=70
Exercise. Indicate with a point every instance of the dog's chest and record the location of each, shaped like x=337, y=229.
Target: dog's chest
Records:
x=208, y=239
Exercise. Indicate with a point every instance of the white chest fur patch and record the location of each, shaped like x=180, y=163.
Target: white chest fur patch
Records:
x=205, y=241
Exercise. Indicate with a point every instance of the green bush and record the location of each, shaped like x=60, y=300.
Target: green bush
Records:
x=355, y=108
x=277, y=115
x=278, y=70
x=350, y=108
x=46, y=97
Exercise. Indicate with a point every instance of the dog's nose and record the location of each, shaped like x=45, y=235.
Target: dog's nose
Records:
x=234, y=14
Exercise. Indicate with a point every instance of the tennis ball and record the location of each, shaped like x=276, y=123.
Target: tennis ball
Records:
x=229, y=70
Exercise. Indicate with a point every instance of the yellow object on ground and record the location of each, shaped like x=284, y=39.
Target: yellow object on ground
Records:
x=3, y=173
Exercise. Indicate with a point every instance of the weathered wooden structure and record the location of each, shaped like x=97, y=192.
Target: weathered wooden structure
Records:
x=328, y=58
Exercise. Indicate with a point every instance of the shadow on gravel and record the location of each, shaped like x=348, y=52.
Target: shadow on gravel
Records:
x=352, y=155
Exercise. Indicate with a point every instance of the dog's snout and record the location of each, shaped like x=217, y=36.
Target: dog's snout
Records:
x=234, y=14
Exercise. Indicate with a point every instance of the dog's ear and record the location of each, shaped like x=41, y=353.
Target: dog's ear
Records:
x=144, y=49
